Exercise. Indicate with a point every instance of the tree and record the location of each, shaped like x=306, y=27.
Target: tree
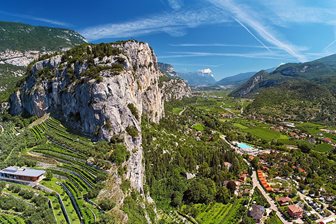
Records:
x=231, y=185
x=49, y=175
x=255, y=162
x=223, y=195
x=200, y=191
x=106, y=204
x=176, y=199
x=305, y=148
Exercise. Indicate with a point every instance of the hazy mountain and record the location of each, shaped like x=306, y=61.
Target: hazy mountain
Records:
x=235, y=80
x=22, y=37
x=239, y=79
x=297, y=90
x=20, y=44
x=200, y=78
x=321, y=71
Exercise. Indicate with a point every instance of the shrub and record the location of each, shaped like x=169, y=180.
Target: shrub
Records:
x=49, y=175
x=132, y=131
x=120, y=154
x=134, y=110
x=106, y=204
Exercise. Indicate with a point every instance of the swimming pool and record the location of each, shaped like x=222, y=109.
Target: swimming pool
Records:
x=243, y=145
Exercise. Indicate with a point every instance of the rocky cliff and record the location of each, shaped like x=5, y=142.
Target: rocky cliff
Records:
x=175, y=89
x=20, y=44
x=99, y=90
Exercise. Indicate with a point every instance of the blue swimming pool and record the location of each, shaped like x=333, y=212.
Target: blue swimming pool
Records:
x=243, y=145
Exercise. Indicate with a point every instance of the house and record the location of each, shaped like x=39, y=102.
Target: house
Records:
x=289, y=124
x=228, y=165
x=243, y=177
x=301, y=170
x=327, y=140
x=295, y=211
x=21, y=174
x=257, y=212
x=284, y=200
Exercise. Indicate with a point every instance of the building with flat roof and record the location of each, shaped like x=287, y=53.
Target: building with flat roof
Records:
x=21, y=173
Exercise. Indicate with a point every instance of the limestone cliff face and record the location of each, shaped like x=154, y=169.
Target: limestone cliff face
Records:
x=107, y=105
x=175, y=89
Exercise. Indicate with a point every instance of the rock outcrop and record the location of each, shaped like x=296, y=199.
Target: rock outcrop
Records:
x=101, y=103
x=102, y=91
x=175, y=89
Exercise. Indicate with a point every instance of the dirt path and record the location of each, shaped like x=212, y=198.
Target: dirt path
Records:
x=182, y=111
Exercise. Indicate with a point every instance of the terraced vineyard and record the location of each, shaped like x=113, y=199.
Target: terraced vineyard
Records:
x=10, y=219
x=65, y=156
x=218, y=213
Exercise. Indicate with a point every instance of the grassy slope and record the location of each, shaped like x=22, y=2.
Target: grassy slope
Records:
x=18, y=36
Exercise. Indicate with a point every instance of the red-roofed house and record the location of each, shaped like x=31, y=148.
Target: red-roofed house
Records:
x=327, y=140
x=295, y=211
x=284, y=201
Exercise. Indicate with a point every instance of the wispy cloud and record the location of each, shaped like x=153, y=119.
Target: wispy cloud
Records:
x=244, y=17
x=260, y=55
x=252, y=34
x=289, y=11
x=221, y=45
x=45, y=20
x=173, y=23
x=175, y=4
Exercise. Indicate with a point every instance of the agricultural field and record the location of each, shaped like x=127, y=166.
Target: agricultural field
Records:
x=215, y=102
x=22, y=204
x=64, y=154
x=216, y=213
x=323, y=147
x=75, y=171
x=258, y=130
x=198, y=127
x=11, y=219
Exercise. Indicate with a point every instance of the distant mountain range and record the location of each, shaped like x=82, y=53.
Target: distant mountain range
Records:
x=297, y=90
x=235, y=80
x=20, y=44
x=194, y=79
x=23, y=37
x=200, y=79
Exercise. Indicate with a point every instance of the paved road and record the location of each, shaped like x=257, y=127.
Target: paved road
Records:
x=303, y=198
x=268, y=198
x=256, y=183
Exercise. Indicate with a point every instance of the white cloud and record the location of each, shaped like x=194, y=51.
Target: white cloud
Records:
x=175, y=4
x=243, y=16
x=220, y=45
x=205, y=71
x=173, y=23
x=289, y=11
x=254, y=55
x=50, y=21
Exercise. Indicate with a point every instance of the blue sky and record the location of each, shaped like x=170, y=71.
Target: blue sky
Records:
x=227, y=36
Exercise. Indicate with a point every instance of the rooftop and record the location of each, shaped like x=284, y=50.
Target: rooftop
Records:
x=18, y=171
x=257, y=212
x=295, y=208
x=284, y=199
